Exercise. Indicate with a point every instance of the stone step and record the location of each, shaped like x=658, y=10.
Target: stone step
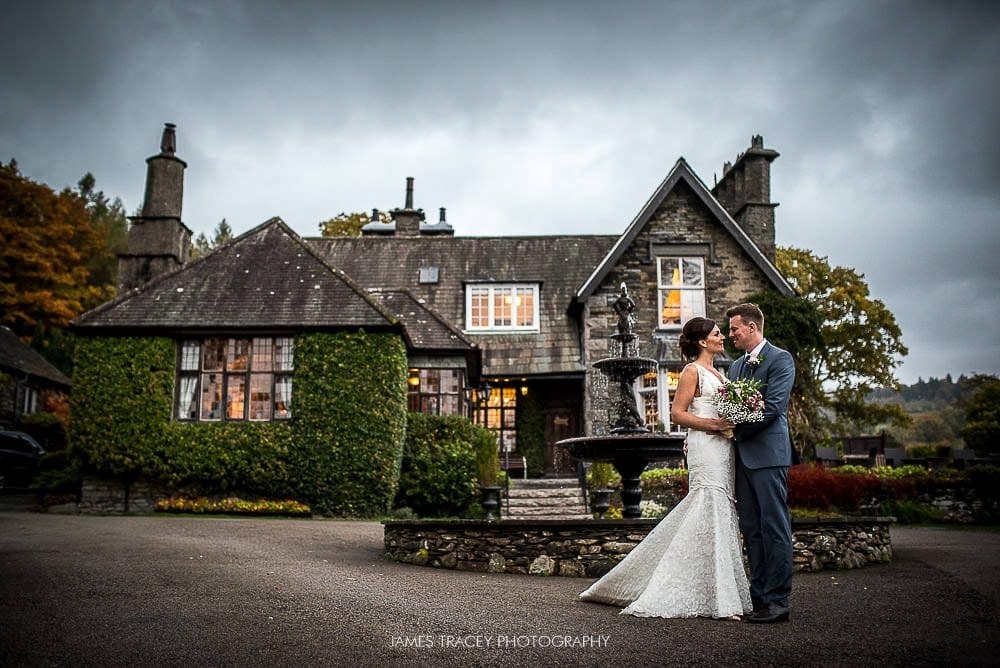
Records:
x=550, y=517
x=542, y=483
x=548, y=510
x=548, y=502
x=545, y=493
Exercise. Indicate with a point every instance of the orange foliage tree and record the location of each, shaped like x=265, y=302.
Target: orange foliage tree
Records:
x=48, y=242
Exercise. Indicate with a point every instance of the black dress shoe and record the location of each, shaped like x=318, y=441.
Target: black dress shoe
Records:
x=771, y=614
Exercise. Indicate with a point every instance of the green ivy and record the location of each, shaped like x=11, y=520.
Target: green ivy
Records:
x=531, y=433
x=340, y=453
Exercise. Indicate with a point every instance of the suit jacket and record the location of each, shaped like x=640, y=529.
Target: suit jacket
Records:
x=767, y=443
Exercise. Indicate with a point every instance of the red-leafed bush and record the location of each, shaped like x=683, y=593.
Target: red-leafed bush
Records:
x=812, y=486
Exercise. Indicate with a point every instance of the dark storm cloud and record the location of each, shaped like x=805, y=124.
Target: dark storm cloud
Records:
x=556, y=117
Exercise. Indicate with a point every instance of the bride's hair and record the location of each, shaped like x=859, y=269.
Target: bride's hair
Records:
x=696, y=329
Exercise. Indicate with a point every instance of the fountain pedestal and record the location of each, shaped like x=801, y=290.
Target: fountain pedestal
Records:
x=629, y=445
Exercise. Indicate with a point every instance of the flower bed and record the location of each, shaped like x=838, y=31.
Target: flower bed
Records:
x=233, y=506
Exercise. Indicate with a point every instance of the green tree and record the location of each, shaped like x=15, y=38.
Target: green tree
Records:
x=50, y=265
x=350, y=224
x=982, y=416
x=862, y=343
x=794, y=323
x=201, y=245
x=109, y=218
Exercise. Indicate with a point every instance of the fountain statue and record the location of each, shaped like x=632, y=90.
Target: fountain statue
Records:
x=629, y=445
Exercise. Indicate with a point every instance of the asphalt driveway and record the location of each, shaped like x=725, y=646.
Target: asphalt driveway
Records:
x=164, y=591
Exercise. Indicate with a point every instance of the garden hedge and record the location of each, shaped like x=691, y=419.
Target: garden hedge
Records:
x=340, y=453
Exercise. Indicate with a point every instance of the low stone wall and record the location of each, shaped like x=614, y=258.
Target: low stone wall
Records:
x=99, y=496
x=590, y=548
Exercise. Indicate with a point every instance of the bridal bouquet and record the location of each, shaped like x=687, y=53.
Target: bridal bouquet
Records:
x=740, y=401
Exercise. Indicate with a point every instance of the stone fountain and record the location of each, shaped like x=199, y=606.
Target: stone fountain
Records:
x=629, y=445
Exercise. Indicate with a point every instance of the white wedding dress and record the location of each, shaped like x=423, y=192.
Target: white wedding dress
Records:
x=691, y=563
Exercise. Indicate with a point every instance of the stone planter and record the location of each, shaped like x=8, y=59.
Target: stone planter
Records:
x=490, y=500
x=600, y=500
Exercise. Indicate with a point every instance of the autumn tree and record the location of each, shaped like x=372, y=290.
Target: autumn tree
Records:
x=861, y=341
x=350, y=224
x=202, y=245
x=982, y=416
x=794, y=324
x=48, y=268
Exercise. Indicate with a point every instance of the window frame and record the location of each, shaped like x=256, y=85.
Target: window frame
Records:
x=201, y=358
x=493, y=291
x=663, y=288
x=417, y=394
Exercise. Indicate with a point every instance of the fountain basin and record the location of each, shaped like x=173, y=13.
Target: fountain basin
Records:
x=629, y=454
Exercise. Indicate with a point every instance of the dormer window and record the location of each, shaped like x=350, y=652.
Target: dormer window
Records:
x=682, y=290
x=501, y=307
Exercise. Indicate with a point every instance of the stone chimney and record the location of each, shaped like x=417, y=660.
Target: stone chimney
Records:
x=745, y=191
x=158, y=242
x=408, y=219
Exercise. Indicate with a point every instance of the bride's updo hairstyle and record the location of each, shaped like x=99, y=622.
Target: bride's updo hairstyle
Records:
x=696, y=329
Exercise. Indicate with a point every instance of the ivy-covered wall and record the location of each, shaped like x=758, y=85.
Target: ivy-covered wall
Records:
x=340, y=453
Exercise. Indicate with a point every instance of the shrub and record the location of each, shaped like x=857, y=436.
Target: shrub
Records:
x=908, y=511
x=438, y=475
x=602, y=475
x=487, y=458
x=811, y=486
x=664, y=483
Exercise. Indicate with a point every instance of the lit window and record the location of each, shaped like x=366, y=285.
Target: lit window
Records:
x=682, y=290
x=501, y=307
x=436, y=391
x=235, y=379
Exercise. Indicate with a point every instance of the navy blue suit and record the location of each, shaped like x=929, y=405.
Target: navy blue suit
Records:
x=764, y=453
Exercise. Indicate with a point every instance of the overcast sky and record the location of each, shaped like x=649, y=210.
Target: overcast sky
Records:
x=547, y=118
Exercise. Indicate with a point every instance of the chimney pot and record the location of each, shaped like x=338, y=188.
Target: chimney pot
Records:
x=441, y=219
x=168, y=142
x=409, y=193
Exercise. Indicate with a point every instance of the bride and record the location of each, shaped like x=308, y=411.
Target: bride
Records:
x=691, y=563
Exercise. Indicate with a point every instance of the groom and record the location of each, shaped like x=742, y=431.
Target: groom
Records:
x=764, y=454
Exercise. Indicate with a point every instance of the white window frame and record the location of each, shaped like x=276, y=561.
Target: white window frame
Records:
x=491, y=290
x=664, y=287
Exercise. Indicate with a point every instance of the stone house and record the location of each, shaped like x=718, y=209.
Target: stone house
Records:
x=525, y=316
x=29, y=383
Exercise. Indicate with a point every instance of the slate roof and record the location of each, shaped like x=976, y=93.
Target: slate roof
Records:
x=682, y=171
x=266, y=278
x=19, y=358
x=558, y=264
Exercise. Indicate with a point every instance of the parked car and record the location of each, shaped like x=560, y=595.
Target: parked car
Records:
x=19, y=455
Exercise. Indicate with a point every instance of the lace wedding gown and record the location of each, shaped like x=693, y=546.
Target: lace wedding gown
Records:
x=691, y=563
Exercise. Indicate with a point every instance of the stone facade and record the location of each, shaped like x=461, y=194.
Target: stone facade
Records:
x=591, y=548
x=100, y=496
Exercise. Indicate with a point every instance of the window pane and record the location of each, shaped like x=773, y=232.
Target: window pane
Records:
x=211, y=396
x=671, y=313
x=429, y=404
x=692, y=304
x=260, y=396
x=525, y=303
x=262, y=354
x=670, y=272
x=282, y=397
x=429, y=381
x=187, y=401
x=236, y=393
x=450, y=404
x=237, y=354
x=692, y=271
x=450, y=381
x=283, y=357
x=502, y=302
x=509, y=416
x=215, y=351
x=479, y=307
x=190, y=352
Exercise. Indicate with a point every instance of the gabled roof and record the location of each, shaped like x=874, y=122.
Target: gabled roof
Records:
x=264, y=279
x=426, y=329
x=19, y=358
x=557, y=263
x=681, y=172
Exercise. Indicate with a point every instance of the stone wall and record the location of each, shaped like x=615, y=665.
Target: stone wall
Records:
x=590, y=548
x=99, y=496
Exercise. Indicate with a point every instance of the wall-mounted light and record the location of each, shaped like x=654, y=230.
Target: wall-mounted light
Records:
x=414, y=378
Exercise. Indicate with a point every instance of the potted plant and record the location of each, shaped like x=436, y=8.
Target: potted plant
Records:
x=488, y=472
x=599, y=481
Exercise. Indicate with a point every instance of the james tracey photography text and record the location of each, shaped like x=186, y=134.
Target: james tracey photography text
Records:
x=480, y=641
